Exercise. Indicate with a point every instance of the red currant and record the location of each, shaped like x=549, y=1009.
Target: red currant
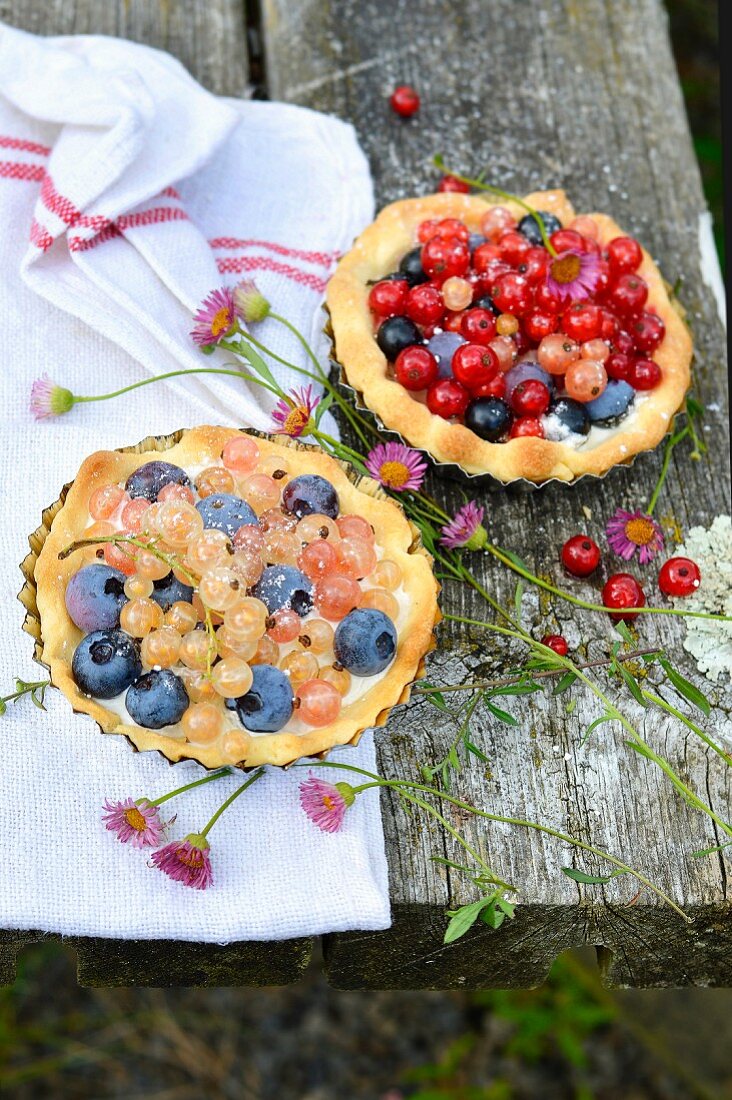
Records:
x=453, y=322
x=415, y=367
x=534, y=267
x=526, y=426
x=451, y=183
x=514, y=247
x=582, y=321
x=628, y=293
x=603, y=278
x=495, y=388
x=441, y=259
x=618, y=366
x=530, y=397
x=549, y=302
x=679, y=577
x=623, y=342
x=568, y=240
x=624, y=254
x=580, y=555
x=474, y=365
x=427, y=229
x=478, y=326
x=485, y=254
x=404, y=101
x=538, y=325
x=647, y=331
x=610, y=325
x=644, y=374
x=623, y=592
x=447, y=398
x=511, y=293
x=424, y=305
x=388, y=298
x=452, y=229
x=557, y=643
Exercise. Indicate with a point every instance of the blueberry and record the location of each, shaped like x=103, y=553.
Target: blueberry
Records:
x=529, y=226
x=396, y=334
x=411, y=267
x=157, y=699
x=365, y=641
x=310, y=494
x=225, y=512
x=613, y=404
x=525, y=370
x=268, y=704
x=443, y=346
x=475, y=240
x=95, y=596
x=169, y=589
x=105, y=663
x=488, y=417
x=152, y=477
x=486, y=302
x=284, y=586
x=565, y=417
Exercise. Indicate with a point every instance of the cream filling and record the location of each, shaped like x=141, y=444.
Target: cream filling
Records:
x=360, y=685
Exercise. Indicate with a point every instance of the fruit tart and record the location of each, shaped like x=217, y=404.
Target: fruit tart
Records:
x=235, y=600
x=482, y=346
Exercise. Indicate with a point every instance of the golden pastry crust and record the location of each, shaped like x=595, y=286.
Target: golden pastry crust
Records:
x=203, y=446
x=378, y=251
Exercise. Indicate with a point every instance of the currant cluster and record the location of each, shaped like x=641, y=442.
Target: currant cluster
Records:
x=486, y=329
x=252, y=594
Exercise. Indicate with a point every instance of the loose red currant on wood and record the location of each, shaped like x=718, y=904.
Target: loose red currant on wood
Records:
x=679, y=577
x=623, y=592
x=580, y=555
x=404, y=101
x=557, y=643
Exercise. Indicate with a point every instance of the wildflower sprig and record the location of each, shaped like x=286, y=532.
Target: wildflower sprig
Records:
x=35, y=689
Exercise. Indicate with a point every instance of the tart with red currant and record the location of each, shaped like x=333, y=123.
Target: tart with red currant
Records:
x=518, y=344
x=234, y=600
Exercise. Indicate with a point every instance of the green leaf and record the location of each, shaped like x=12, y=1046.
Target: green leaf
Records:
x=590, y=880
x=528, y=687
x=642, y=750
x=685, y=688
x=476, y=751
x=631, y=681
x=606, y=717
x=322, y=407
x=564, y=682
x=449, y=863
x=501, y=715
x=258, y=364
x=693, y=407
x=517, y=596
x=492, y=916
x=624, y=633
x=463, y=919
x=515, y=559
x=3, y=707
x=435, y=697
x=711, y=851
x=507, y=906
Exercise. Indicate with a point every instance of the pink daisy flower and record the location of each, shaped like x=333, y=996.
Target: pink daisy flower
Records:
x=292, y=415
x=396, y=467
x=137, y=822
x=49, y=399
x=216, y=318
x=465, y=530
x=325, y=803
x=573, y=274
x=186, y=861
x=631, y=531
x=251, y=304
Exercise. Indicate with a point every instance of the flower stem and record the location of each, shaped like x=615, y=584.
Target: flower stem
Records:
x=190, y=786
x=175, y=374
x=225, y=805
x=518, y=822
x=670, y=444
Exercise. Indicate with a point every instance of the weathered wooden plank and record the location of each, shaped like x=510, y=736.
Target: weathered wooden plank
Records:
x=208, y=36
x=542, y=94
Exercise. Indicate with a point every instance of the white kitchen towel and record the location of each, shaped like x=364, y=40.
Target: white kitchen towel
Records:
x=126, y=193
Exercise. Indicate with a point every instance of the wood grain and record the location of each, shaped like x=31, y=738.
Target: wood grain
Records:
x=543, y=93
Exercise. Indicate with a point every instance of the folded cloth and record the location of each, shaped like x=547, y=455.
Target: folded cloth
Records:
x=127, y=192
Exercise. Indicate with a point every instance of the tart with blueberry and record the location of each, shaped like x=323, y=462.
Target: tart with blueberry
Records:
x=234, y=600
x=504, y=349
